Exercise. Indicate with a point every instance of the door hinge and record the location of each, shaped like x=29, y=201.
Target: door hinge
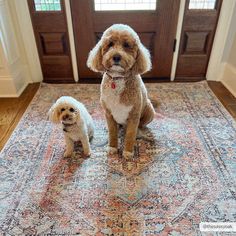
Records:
x=174, y=45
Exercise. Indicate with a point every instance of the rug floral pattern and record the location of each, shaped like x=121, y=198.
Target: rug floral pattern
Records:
x=183, y=172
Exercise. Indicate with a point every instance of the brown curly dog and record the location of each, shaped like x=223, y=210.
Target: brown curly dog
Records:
x=122, y=58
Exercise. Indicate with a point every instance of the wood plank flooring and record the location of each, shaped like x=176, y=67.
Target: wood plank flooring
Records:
x=12, y=109
x=223, y=94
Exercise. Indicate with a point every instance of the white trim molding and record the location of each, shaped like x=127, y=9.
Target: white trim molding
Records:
x=215, y=67
x=8, y=86
x=15, y=69
x=177, y=37
x=28, y=38
x=72, y=41
x=7, y=34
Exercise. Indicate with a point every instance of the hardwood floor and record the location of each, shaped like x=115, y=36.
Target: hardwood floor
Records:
x=12, y=109
x=223, y=94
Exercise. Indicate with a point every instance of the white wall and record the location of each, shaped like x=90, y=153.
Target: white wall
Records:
x=228, y=76
x=222, y=64
x=16, y=67
x=229, y=72
x=232, y=54
x=230, y=35
x=26, y=29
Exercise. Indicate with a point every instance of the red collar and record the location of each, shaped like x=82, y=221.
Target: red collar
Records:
x=114, y=79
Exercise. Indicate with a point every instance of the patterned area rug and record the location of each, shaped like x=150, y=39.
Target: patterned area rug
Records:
x=183, y=172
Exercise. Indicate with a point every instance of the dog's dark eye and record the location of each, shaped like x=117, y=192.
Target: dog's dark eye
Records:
x=126, y=45
x=63, y=109
x=110, y=44
x=72, y=109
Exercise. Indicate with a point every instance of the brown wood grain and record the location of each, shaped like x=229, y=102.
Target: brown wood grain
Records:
x=196, y=41
x=52, y=39
x=223, y=94
x=156, y=29
x=11, y=111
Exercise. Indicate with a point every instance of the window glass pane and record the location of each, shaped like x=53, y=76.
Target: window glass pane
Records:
x=202, y=4
x=38, y=8
x=44, y=7
x=47, y=5
x=116, y=5
x=57, y=7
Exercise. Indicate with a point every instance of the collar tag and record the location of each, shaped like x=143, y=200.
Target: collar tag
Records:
x=113, y=85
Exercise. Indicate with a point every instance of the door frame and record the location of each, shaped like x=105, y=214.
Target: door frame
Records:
x=215, y=66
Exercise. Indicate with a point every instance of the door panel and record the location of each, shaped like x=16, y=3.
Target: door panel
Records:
x=51, y=34
x=156, y=29
x=197, y=36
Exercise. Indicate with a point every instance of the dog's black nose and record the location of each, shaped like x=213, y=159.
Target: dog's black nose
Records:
x=116, y=58
x=65, y=117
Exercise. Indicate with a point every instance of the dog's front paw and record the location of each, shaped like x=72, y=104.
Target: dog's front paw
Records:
x=128, y=155
x=111, y=150
x=68, y=154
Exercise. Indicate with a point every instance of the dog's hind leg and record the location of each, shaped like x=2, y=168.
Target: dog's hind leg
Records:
x=147, y=115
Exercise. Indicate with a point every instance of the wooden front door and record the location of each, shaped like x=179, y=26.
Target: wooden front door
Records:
x=198, y=31
x=51, y=34
x=156, y=28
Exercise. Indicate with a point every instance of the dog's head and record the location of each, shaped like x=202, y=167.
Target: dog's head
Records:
x=64, y=110
x=119, y=51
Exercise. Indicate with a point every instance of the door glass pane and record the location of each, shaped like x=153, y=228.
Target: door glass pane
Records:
x=202, y=4
x=122, y=5
x=47, y=5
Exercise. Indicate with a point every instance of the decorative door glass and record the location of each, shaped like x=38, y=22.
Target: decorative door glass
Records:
x=124, y=5
x=47, y=5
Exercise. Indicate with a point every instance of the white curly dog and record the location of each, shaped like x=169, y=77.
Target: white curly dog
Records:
x=77, y=123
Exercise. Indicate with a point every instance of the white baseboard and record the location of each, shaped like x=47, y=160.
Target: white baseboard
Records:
x=21, y=90
x=8, y=87
x=217, y=74
x=15, y=82
x=228, y=78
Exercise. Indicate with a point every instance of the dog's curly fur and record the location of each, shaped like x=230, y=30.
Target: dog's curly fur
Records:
x=77, y=124
x=122, y=58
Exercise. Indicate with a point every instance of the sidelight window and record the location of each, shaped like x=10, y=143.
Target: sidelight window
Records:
x=202, y=4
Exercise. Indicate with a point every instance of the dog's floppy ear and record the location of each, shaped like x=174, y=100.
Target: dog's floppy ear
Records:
x=94, y=61
x=143, y=62
x=54, y=114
